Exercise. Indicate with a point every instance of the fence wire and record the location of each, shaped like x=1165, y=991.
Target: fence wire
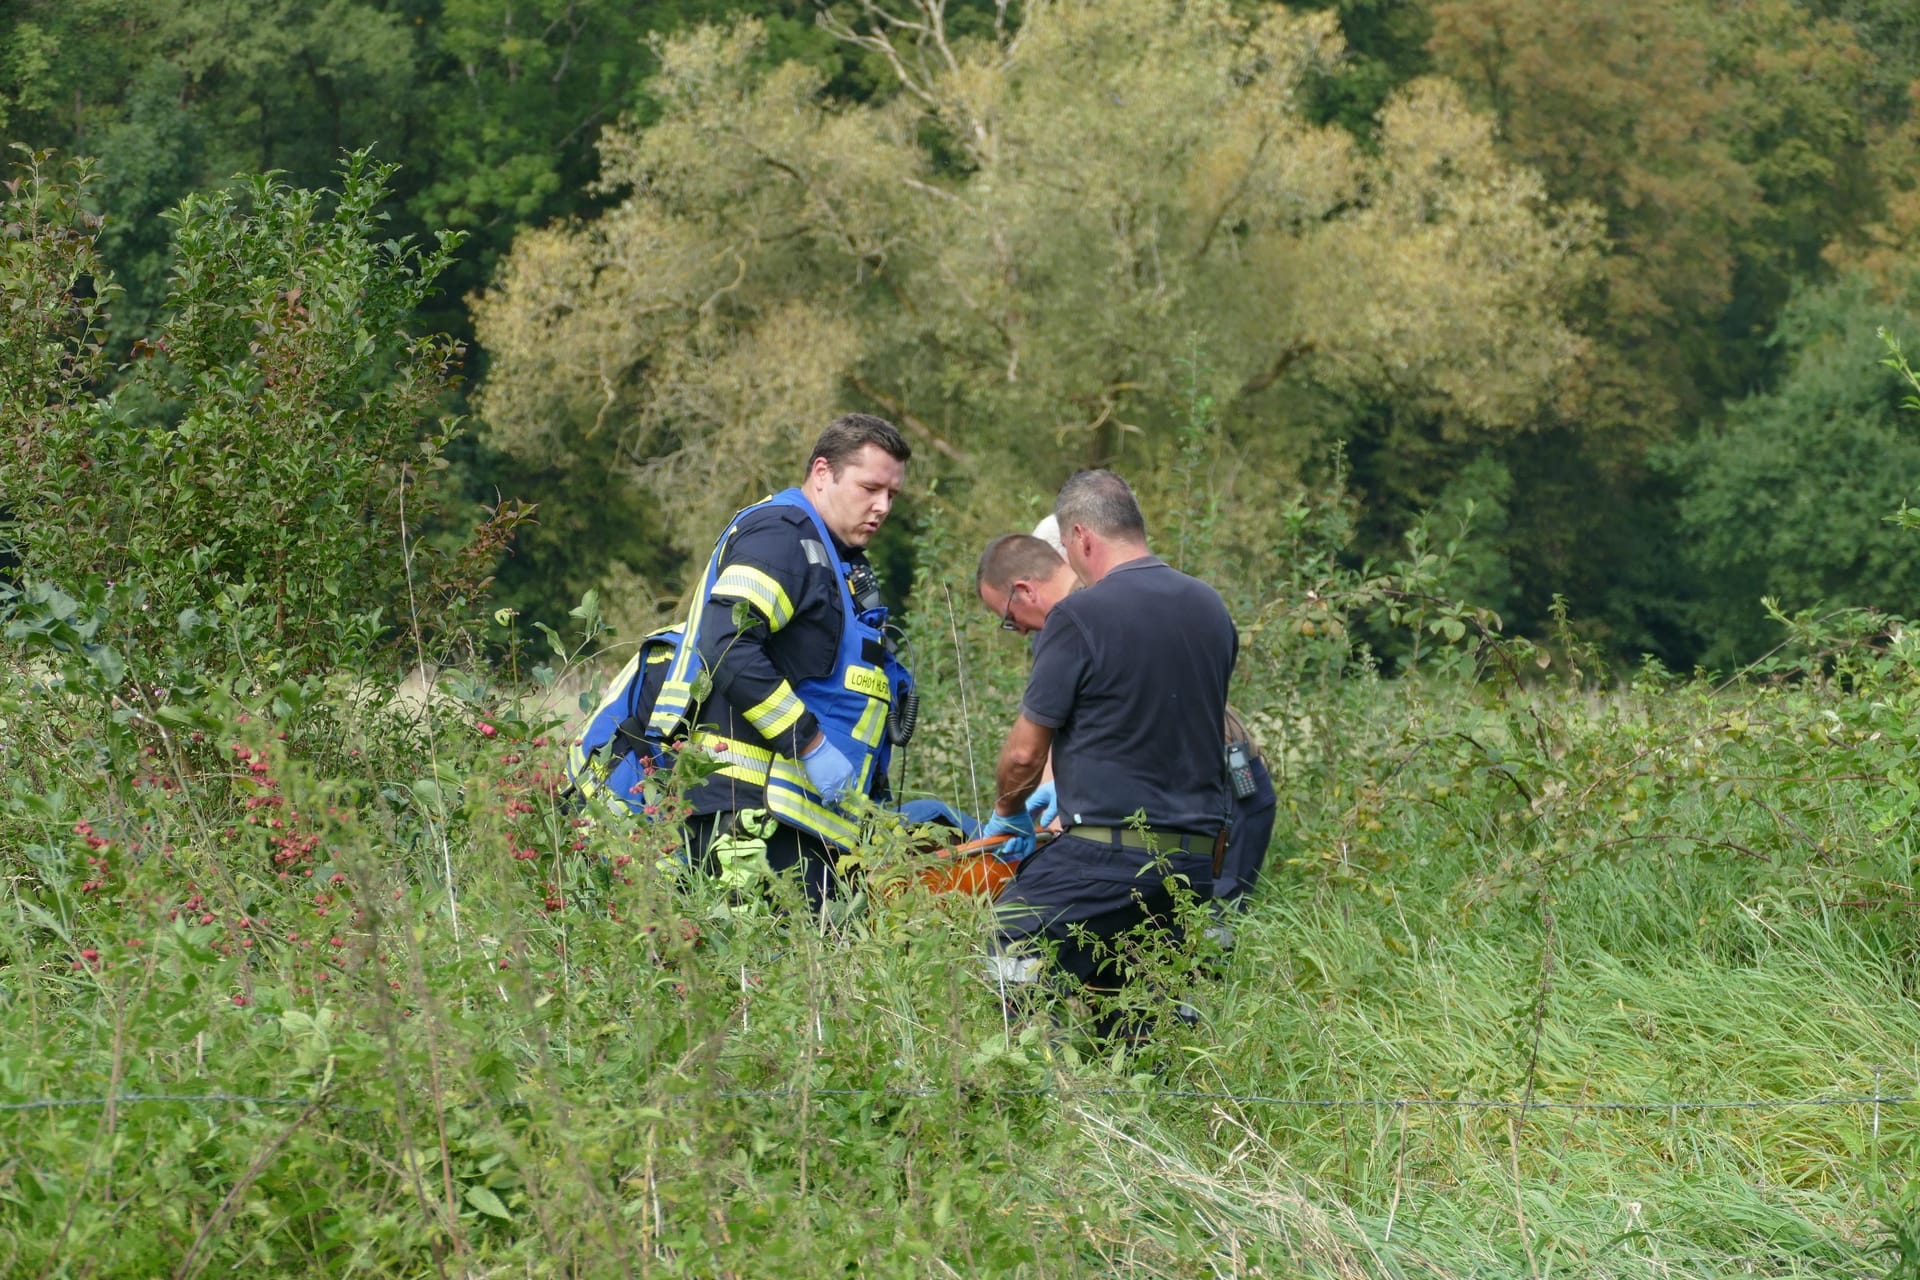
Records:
x=1671, y=1106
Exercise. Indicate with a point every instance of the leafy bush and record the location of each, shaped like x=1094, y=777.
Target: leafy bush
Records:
x=1789, y=497
x=376, y=1000
x=265, y=476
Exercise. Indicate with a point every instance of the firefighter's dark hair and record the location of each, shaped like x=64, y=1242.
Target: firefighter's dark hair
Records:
x=849, y=433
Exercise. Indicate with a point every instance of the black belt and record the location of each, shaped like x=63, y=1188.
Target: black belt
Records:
x=1155, y=839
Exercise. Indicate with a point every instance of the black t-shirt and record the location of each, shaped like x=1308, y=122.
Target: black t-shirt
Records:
x=1131, y=675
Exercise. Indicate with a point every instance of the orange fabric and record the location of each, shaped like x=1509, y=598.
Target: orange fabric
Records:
x=970, y=868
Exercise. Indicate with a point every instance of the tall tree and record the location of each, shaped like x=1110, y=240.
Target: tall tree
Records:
x=1790, y=496
x=1889, y=30
x=1010, y=255
x=1386, y=46
x=1725, y=145
x=513, y=94
x=178, y=96
x=1618, y=102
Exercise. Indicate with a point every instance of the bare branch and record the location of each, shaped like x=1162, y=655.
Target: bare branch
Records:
x=881, y=45
x=739, y=276
x=936, y=11
x=1290, y=355
x=930, y=30
x=925, y=188
x=905, y=417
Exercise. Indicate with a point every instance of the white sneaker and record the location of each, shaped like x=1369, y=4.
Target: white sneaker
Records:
x=1009, y=971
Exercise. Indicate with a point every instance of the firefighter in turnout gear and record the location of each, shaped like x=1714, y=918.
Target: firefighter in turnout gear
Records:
x=786, y=675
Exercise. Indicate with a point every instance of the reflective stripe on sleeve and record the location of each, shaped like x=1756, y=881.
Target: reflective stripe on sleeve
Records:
x=777, y=713
x=743, y=582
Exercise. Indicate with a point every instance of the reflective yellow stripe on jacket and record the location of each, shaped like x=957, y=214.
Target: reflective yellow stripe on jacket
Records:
x=779, y=712
x=738, y=760
x=769, y=598
x=872, y=723
x=790, y=796
x=792, y=799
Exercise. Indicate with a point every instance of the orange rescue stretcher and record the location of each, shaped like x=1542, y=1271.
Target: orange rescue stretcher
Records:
x=973, y=866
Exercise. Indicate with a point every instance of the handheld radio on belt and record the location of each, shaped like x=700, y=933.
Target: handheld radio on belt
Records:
x=1240, y=769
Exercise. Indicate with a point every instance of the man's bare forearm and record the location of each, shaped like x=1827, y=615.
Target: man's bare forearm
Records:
x=1023, y=761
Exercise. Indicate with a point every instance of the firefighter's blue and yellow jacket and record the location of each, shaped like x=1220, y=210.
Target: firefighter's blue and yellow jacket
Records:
x=774, y=646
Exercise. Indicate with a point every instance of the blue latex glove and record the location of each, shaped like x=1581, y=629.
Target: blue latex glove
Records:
x=1019, y=826
x=828, y=769
x=1043, y=804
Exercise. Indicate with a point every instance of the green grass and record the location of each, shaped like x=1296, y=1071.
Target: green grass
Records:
x=571, y=1064
x=1447, y=1014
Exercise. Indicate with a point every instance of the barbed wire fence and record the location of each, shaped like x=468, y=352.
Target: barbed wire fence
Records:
x=1673, y=1106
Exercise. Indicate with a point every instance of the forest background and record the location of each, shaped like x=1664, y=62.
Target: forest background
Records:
x=1606, y=275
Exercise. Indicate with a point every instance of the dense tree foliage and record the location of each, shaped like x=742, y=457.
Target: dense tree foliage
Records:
x=1508, y=252
x=1790, y=496
x=998, y=255
x=491, y=106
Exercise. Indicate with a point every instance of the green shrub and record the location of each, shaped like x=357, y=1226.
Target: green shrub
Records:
x=267, y=474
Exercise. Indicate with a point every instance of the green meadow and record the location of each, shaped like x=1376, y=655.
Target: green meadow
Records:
x=1555, y=977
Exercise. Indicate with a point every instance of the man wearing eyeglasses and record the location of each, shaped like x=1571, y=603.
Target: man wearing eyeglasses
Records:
x=1128, y=694
x=1020, y=578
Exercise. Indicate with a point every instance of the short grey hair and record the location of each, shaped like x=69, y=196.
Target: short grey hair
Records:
x=1102, y=502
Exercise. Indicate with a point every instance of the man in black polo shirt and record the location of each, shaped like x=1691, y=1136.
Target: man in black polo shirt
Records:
x=1129, y=693
x=1021, y=577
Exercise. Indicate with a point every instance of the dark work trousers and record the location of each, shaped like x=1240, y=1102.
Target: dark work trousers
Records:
x=787, y=848
x=1074, y=889
x=1248, y=839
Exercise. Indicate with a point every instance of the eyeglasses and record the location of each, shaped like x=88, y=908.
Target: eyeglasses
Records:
x=1006, y=619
